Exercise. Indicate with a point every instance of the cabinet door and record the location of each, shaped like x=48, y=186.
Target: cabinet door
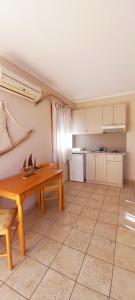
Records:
x=90, y=167
x=119, y=114
x=78, y=121
x=101, y=167
x=114, y=173
x=108, y=115
x=94, y=120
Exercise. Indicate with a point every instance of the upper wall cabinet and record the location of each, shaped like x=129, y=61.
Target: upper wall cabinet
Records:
x=114, y=114
x=94, y=120
x=87, y=120
x=78, y=121
x=108, y=115
x=120, y=114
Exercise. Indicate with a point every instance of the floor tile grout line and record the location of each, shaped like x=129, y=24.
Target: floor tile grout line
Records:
x=28, y=255
x=50, y=268
x=115, y=243
x=32, y=246
x=114, y=251
x=68, y=246
x=61, y=247
x=54, y=259
x=87, y=249
x=90, y=289
x=16, y=291
x=69, y=233
x=39, y=283
x=92, y=234
x=25, y=257
x=62, y=244
x=76, y=282
x=79, y=249
x=43, y=236
x=6, y=281
x=13, y=271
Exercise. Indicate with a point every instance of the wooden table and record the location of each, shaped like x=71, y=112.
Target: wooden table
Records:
x=16, y=188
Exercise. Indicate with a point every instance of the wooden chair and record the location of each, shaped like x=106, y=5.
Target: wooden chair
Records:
x=51, y=186
x=7, y=217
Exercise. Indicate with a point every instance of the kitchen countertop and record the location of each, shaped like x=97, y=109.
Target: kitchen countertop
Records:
x=98, y=152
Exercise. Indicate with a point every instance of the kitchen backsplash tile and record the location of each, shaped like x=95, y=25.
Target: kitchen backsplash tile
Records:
x=113, y=141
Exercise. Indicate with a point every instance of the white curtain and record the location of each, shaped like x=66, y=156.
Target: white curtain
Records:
x=62, y=135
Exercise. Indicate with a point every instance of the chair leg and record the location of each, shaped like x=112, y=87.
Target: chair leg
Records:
x=42, y=201
x=39, y=199
x=9, y=253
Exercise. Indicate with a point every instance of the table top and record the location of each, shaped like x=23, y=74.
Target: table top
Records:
x=18, y=185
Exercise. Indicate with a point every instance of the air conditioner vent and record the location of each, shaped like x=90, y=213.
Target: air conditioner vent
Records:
x=13, y=83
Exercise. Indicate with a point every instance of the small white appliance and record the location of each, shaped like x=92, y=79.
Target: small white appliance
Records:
x=77, y=167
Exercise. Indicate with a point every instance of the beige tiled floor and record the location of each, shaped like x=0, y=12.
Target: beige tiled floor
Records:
x=96, y=275
x=101, y=248
x=87, y=252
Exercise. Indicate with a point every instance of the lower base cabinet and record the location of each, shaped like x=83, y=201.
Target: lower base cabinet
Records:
x=114, y=173
x=90, y=167
x=101, y=168
x=105, y=168
x=115, y=169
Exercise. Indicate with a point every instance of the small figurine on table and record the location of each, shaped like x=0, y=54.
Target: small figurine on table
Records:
x=29, y=168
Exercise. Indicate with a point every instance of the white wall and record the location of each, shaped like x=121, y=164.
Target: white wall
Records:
x=29, y=116
x=130, y=136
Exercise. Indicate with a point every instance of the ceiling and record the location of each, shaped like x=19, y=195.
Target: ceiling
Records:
x=82, y=48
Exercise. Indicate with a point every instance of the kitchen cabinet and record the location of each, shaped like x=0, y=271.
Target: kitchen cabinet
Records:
x=114, y=114
x=108, y=115
x=78, y=121
x=90, y=167
x=115, y=170
x=105, y=168
x=91, y=120
x=96, y=167
x=87, y=120
x=101, y=168
x=94, y=120
x=119, y=114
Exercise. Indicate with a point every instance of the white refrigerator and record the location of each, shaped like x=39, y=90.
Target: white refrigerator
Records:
x=77, y=167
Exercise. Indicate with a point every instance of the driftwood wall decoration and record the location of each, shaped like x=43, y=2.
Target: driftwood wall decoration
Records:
x=11, y=144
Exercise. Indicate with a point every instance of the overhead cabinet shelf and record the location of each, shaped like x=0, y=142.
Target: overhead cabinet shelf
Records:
x=96, y=119
x=114, y=114
x=87, y=120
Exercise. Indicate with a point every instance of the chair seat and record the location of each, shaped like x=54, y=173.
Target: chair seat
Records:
x=6, y=217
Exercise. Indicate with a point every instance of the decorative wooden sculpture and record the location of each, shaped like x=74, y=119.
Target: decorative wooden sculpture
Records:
x=30, y=162
x=7, y=142
x=29, y=168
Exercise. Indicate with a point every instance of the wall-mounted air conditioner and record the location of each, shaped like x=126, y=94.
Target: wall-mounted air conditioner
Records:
x=11, y=82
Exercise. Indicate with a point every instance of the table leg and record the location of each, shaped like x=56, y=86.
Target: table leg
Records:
x=60, y=193
x=42, y=201
x=21, y=229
